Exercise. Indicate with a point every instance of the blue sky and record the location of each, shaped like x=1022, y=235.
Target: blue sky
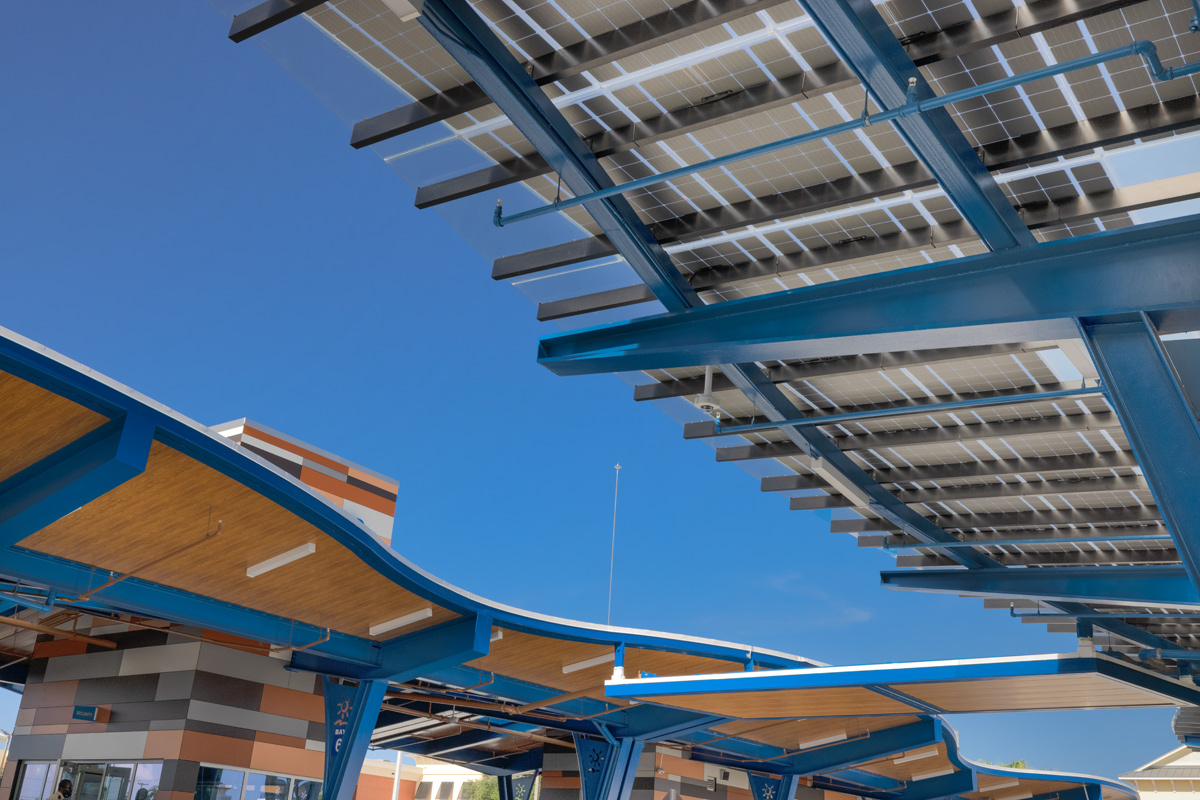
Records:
x=177, y=212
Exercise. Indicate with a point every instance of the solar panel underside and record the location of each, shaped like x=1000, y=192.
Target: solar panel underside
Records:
x=855, y=204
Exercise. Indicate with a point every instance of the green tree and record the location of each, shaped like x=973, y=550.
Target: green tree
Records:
x=1020, y=763
x=482, y=789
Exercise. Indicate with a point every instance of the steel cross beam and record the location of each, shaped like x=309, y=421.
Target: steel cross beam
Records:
x=1034, y=294
x=1158, y=419
x=458, y=29
x=858, y=33
x=267, y=15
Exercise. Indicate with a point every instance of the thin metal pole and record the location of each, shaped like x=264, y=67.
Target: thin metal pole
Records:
x=612, y=558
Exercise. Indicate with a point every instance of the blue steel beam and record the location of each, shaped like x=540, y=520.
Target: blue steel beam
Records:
x=458, y=29
x=1158, y=420
x=1033, y=294
x=941, y=787
x=267, y=15
x=412, y=656
x=74, y=476
x=844, y=755
x=455, y=25
x=1143, y=586
x=858, y=33
x=839, y=677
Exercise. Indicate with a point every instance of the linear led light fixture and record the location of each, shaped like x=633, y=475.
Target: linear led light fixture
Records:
x=295, y=554
x=1005, y=785
x=589, y=662
x=497, y=635
x=939, y=773
x=917, y=756
x=837, y=737
x=400, y=622
x=1022, y=796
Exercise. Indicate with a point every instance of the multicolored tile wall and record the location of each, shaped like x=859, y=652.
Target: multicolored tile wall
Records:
x=184, y=696
x=363, y=493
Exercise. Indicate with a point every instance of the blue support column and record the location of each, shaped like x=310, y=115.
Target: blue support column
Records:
x=74, y=476
x=407, y=657
x=857, y=31
x=350, y=716
x=504, y=784
x=1158, y=420
x=607, y=770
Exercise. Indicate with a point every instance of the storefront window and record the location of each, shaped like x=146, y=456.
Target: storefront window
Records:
x=306, y=790
x=145, y=781
x=424, y=789
x=445, y=790
x=214, y=783
x=266, y=787
x=36, y=781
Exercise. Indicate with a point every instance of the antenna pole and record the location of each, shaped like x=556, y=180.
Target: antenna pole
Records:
x=612, y=558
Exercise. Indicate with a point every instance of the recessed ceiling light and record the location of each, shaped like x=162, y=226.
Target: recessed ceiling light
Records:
x=283, y=558
x=937, y=774
x=590, y=662
x=838, y=737
x=400, y=622
x=917, y=756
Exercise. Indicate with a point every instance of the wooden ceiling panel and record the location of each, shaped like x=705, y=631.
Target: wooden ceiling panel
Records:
x=1000, y=787
x=35, y=422
x=1033, y=693
x=792, y=734
x=824, y=702
x=178, y=500
x=540, y=660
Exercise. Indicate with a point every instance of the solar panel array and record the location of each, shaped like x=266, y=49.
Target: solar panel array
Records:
x=651, y=86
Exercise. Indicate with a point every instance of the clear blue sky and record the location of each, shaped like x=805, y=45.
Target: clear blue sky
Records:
x=178, y=213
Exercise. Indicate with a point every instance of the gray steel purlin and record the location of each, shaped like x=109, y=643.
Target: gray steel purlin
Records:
x=267, y=15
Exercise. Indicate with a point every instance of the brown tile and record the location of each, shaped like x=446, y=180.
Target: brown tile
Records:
x=292, y=703
x=59, y=647
x=293, y=760
x=164, y=745
x=297, y=450
x=387, y=486
x=39, y=730
x=57, y=693
x=279, y=739
x=560, y=783
x=319, y=480
x=53, y=715
x=216, y=749
x=682, y=767
x=25, y=716
x=87, y=727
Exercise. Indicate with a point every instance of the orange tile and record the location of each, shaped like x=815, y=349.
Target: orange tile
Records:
x=387, y=486
x=682, y=767
x=216, y=749
x=408, y=790
x=279, y=739
x=57, y=693
x=296, y=449
x=238, y=642
x=333, y=498
x=319, y=480
x=53, y=715
x=59, y=647
x=292, y=703
x=373, y=787
x=288, y=760
x=164, y=745
x=560, y=783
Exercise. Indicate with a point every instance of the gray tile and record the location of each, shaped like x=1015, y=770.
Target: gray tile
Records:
x=218, y=730
x=168, y=724
x=303, y=682
x=223, y=690
x=175, y=686
x=316, y=731
x=161, y=658
x=43, y=747
x=84, y=666
x=126, y=727
x=243, y=718
x=240, y=664
x=144, y=712
x=127, y=689
x=105, y=746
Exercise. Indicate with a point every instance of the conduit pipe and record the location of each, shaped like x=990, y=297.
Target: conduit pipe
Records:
x=1143, y=48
